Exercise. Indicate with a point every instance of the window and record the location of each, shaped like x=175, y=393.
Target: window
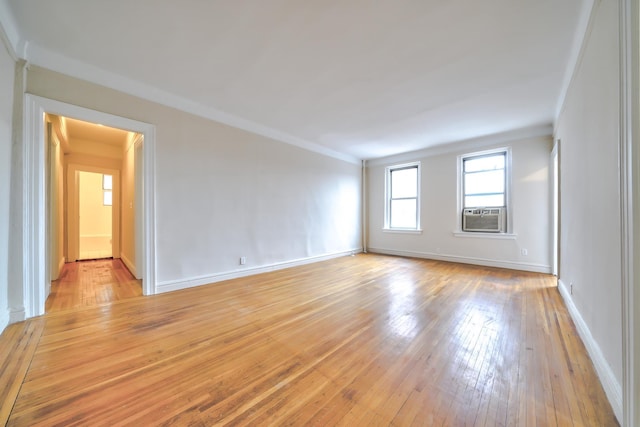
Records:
x=484, y=191
x=402, y=210
x=484, y=180
x=107, y=187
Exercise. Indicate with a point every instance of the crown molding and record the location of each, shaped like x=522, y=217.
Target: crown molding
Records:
x=579, y=37
x=45, y=58
x=468, y=144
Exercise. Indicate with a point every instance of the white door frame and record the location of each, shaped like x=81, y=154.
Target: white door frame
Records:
x=73, y=209
x=34, y=236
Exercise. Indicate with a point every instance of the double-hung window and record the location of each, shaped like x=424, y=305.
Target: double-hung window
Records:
x=402, y=197
x=484, y=179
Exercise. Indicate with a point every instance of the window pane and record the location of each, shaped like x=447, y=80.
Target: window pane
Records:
x=107, y=198
x=484, y=163
x=404, y=183
x=107, y=182
x=403, y=213
x=484, y=182
x=484, y=201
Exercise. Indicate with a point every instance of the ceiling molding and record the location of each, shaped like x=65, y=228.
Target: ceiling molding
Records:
x=45, y=58
x=9, y=30
x=583, y=28
x=468, y=144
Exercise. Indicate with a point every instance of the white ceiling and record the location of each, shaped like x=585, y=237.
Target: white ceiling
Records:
x=362, y=78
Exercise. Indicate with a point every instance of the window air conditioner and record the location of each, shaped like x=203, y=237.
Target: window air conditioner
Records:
x=483, y=219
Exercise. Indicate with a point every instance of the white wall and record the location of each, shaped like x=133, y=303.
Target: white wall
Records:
x=439, y=209
x=128, y=226
x=7, y=66
x=223, y=193
x=588, y=128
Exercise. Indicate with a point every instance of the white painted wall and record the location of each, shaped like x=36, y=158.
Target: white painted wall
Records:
x=223, y=193
x=530, y=189
x=588, y=128
x=7, y=66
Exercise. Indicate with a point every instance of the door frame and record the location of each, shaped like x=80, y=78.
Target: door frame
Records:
x=73, y=209
x=35, y=254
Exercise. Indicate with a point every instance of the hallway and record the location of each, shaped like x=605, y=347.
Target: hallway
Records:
x=91, y=283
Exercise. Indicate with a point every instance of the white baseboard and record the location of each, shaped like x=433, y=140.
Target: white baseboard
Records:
x=4, y=319
x=612, y=388
x=130, y=266
x=17, y=315
x=511, y=265
x=174, y=285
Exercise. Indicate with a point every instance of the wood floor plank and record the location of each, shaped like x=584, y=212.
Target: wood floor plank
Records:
x=364, y=340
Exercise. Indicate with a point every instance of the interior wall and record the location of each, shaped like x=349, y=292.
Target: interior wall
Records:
x=56, y=189
x=530, y=209
x=95, y=218
x=590, y=269
x=223, y=193
x=7, y=66
x=128, y=230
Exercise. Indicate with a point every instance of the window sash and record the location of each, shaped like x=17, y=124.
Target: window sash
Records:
x=402, y=207
x=491, y=193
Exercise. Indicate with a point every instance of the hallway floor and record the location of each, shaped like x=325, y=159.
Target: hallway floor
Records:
x=91, y=283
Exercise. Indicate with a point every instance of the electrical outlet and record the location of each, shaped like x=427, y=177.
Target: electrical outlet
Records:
x=571, y=288
x=243, y=260
x=524, y=252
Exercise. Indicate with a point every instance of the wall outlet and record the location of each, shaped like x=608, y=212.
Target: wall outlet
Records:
x=524, y=252
x=571, y=288
x=243, y=260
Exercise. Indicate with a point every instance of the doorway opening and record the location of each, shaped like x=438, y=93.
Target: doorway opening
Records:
x=44, y=244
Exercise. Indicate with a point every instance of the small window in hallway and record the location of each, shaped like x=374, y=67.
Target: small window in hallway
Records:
x=107, y=187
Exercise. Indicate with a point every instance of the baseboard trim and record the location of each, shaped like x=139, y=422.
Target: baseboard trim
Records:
x=17, y=315
x=175, y=285
x=127, y=262
x=511, y=265
x=4, y=319
x=612, y=388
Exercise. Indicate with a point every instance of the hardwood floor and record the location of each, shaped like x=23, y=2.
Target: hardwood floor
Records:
x=364, y=340
x=90, y=283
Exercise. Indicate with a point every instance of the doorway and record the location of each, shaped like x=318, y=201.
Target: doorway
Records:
x=35, y=239
x=95, y=209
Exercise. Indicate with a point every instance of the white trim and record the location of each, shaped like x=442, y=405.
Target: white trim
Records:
x=612, y=387
x=629, y=209
x=387, y=196
x=34, y=233
x=16, y=315
x=402, y=230
x=127, y=262
x=175, y=285
x=9, y=30
x=510, y=265
x=481, y=235
x=4, y=319
x=43, y=57
x=480, y=143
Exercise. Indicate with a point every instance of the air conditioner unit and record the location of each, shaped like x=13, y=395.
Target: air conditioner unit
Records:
x=483, y=219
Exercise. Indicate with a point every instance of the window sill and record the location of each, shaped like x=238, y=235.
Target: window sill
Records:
x=481, y=235
x=401, y=231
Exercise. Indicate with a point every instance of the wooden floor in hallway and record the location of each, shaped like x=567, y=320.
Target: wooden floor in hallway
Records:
x=355, y=341
x=91, y=283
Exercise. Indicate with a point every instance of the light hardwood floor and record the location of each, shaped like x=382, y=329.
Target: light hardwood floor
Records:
x=91, y=283
x=364, y=340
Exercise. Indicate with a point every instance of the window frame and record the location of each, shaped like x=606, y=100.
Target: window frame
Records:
x=506, y=151
x=388, y=198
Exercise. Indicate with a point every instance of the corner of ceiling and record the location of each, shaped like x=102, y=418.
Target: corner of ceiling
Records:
x=582, y=29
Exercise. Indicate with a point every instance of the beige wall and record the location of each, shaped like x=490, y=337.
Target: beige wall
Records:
x=95, y=217
x=56, y=204
x=223, y=193
x=588, y=128
x=128, y=230
x=440, y=217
